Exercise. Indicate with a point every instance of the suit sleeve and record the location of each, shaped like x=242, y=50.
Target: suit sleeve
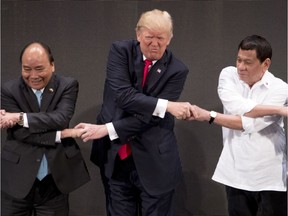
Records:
x=59, y=118
x=139, y=106
x=129, y=98
x=134, y=124
x=119, y=78
x=43, y=126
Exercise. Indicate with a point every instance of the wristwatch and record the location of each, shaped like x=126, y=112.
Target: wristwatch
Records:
x=213, y=115
x=21, y=119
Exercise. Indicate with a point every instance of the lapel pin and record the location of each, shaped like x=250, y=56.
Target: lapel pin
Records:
x=158, y=70
x=51, y=90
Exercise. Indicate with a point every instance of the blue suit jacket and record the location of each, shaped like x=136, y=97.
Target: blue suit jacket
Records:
x=130, y=106
x=24, y=147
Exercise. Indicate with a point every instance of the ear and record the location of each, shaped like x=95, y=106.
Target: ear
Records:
x=138, y=35
x=170, y=38
x=267, y=63
x=53, y=67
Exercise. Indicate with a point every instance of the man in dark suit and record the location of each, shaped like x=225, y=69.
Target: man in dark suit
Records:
x=41, y=164
x=138, y=115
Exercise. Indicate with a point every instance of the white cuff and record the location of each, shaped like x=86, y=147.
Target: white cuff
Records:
x=111, y=131
x=25, y=121
x=58, y=137
x=161, y=108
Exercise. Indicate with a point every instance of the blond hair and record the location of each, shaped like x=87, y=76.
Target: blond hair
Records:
x=156, y=20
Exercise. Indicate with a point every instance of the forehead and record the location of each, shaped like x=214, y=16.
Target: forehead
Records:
x=157, y=32
x=247, y=54
x=35, y=52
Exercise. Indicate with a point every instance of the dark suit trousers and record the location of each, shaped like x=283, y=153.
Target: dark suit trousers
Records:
x=250, y=203
x=44, y=199
x=129, y=198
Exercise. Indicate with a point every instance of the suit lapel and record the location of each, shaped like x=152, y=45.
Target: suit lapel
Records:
x=156, y=72
x=29, y=97
x=48, y=93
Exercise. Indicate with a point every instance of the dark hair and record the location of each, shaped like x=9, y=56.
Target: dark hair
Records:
x=258, y=43
x=45, y=47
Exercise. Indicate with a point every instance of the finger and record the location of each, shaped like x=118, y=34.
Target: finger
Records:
x=190, y=118
x=84, y=135
x=86, y=139
x=80, y=125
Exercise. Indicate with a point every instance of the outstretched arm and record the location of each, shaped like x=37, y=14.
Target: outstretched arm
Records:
x=264, y=110
x=234, y=121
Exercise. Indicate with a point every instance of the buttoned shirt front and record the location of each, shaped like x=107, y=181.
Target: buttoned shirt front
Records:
x=253, y=159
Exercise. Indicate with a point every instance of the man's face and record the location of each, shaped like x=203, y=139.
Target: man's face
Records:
x=36, y=68
x=153, y=43
x=250, y=69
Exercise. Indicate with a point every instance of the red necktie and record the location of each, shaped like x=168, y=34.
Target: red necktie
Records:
x=146, y=69
x=125, y=150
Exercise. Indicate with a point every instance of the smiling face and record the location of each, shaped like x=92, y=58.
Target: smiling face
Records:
x=249, y=67
x=36, y=68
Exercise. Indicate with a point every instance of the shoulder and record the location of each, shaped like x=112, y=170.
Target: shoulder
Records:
x=229, y=70
x=63, y=83
x=13, y=84
x=64, y=80
x=130, y=46
x=275, y=81
x=124, y=49
x=173, y=62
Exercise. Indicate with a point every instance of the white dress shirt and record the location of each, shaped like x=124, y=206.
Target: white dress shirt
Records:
x=253, y=159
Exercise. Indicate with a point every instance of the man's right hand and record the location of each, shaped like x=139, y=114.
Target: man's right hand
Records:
x=7, y=119
x=181, y=110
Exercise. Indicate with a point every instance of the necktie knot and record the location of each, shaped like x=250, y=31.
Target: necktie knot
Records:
x=148, y=62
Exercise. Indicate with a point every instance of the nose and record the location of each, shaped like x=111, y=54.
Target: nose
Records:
x=34, y=74
x=154, y=41
x=240, y=65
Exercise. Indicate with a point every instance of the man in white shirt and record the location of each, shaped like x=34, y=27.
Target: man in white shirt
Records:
x=253, y=161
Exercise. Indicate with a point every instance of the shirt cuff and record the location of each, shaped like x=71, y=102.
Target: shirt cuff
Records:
x=161, y=108
x=58, y=137
x=25, y=121
x=26, y=125
x=111, y=131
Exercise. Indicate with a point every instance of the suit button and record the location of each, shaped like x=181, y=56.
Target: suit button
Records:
x=38, y=160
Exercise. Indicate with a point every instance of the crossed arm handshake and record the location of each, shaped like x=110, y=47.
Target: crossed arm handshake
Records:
x=180, y=110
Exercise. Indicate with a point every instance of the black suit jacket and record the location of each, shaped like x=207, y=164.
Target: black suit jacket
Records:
x=24, y=147
x=130, y=106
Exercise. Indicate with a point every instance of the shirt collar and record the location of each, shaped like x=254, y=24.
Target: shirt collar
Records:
x=266, y=80
x=34, y=90
x=153, y=62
